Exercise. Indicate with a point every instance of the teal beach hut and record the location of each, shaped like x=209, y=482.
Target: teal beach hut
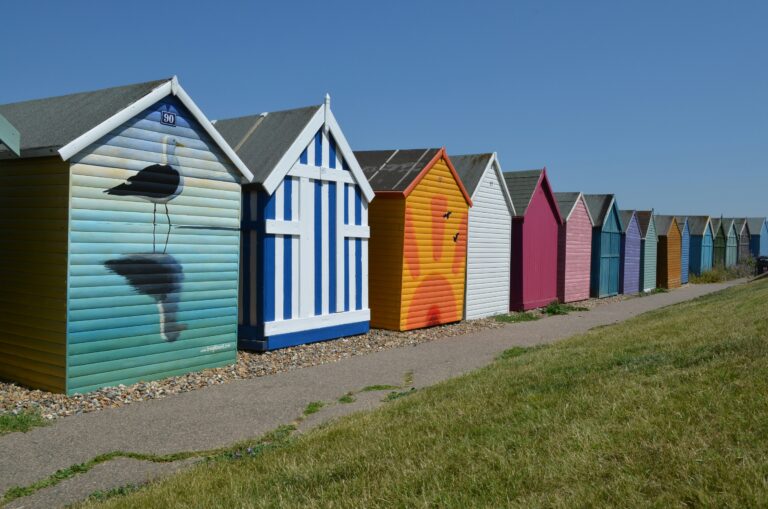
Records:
x=702, y=243
x=124, y=216
x=606, y=244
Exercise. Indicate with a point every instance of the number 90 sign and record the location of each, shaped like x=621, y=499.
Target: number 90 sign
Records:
x=168, y=118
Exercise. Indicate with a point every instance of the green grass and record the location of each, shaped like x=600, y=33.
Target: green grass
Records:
x=313, y=407
x=665, y=410
x=379, y=387
x=558, y=308
x=517, y=317
x=23, y=422
x=347, y=398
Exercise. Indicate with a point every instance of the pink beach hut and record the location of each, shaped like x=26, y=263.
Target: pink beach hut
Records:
x=575, y=248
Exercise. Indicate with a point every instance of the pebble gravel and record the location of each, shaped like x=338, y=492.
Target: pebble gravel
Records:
x=15, y=398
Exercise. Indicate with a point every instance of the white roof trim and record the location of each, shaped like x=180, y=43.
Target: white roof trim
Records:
x=579, y=198
x=494, y=162
x=323, y=117
x=171, y=87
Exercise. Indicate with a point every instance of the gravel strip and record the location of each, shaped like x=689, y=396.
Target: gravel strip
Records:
x=15, y=398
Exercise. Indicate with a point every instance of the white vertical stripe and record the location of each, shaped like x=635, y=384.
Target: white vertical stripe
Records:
x=339, y=240
x=364, y=289
x=279, y=195
x=279, y=277
x=325, y=291
x=352, y=275
x=252, y=282
x=295, y=279
x=307, y=248
x=351, y=204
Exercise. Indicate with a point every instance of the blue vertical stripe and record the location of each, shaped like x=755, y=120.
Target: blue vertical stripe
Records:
x=287, y=198
x=287, y=277
x=358, y=208
x=331, y=152
x=358, y=274
x=344, y=165
x=304, y=157
x=346, y=203
x=319, y=148
x=268, y=269
x=346, y=274
x=318, y=249
x=332, y=247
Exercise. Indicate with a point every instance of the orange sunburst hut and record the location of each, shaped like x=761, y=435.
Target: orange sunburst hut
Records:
x=418, y=243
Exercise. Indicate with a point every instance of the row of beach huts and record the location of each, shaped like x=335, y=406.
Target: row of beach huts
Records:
x=141, y=240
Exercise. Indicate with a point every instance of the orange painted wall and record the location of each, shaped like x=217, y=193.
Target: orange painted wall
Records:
x=386, y=218
x=434, y=251
x=668, y=258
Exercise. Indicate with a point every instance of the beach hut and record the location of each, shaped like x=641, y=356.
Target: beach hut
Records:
x=121, y=240
x=731, y=242
x=606, y=244
x=305, y=229
x=575, y=248
x=743, y=239
x=758, y=229
x=668, y=258
x=718, y=243
x=700, y=259
x=631, y=249
x=535, y=231
x=648, y=249
x=418, y=238
x=488, y=236
x=685, y=248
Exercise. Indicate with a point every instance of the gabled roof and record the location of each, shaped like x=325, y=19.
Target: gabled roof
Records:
x=567, y=204
x=664, y=224
x=728, y=224
x=626, y=219
x=644, y=218
x=755, y=224
x=599, y=206
x=697, y=225
x=472, y=167
x=398, y=171
x=522, y=185
x=67, y=124
x=681, y=222
x=270, y=143
x=716, y=224
x=739, y=223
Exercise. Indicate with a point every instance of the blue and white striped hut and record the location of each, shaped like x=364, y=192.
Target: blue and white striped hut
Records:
x=304, y=270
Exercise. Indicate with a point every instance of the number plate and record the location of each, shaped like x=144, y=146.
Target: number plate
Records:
x=168, y=118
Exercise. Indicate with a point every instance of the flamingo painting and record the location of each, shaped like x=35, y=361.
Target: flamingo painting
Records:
x=157, y=183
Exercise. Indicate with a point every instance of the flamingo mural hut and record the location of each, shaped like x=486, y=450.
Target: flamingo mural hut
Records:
x=91, y=299
x=418, y=227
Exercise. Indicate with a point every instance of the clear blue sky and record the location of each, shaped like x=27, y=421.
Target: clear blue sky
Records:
x=664, y=103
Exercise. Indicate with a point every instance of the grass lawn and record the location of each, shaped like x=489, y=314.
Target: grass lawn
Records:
x=666, y=410
x=24, y=422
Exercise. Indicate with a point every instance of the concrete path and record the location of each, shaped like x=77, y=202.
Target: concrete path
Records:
x=224, y=414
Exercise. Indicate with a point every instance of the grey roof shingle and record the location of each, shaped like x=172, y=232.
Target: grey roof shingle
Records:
x=739, y=223
x=394, y=170
x=697, y=224
x=755, y=224
x=566, y=202
x=522, y=185
x=470, y=168
x=728, y=223
x=644, y=221
x=663, y=224
x=598, y=205
x=715, y=225
x=261, y=140
x=48, y=124
x=626, y=219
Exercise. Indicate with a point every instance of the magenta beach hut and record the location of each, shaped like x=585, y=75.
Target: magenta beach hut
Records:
x=631, y=239
x=534, y=239
x=575, y=248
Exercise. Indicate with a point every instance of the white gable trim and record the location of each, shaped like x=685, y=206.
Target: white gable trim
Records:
x=579, y=198
x=170, y=87
x=322, y=117
x=494, y=163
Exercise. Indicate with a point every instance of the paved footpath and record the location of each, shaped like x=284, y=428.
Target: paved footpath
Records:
x=223, y=414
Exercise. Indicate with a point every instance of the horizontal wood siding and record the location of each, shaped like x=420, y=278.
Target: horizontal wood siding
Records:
x=435, y=251
x=630, y=258
x=649, y=254
x=575, y=254
x=540, y=252
x=685, y=253
x=488, y=250
x=33, y=271
x=151, y=295
x=668, y=267
x=387, y=222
